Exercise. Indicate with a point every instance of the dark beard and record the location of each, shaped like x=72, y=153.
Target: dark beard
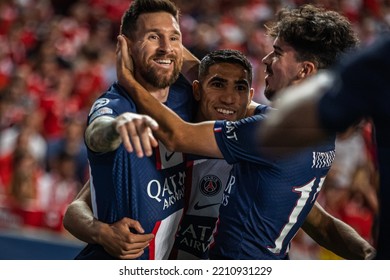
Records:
x=150, y=76
x=269, y=94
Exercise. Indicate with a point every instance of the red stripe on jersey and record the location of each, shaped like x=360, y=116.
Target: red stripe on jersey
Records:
x=152, y=245
x=158, y=158
x=215, y=232
x=189, y=163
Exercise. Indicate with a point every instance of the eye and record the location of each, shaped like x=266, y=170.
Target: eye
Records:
x=175, y=38
x=217, y=84
x=153, y=37
x=242, y=88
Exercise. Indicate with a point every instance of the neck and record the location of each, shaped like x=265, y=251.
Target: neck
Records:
x=160, y=94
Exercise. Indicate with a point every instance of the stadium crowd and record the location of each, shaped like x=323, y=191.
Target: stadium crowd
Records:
x=57, y=56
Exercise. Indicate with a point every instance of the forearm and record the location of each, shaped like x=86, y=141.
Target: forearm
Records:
x=101, y=135
x=348, y=244
x=340, y=238
x=190, y=65
x=81, y=223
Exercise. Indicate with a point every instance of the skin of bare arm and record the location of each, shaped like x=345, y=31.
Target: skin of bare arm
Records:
x=190, y=65
x=176, y=134
x=73, y=216
x=287, y=129
x=336, y=236
x=116, y=238
x=101, y=135
x=105, y=134
x=251, y=109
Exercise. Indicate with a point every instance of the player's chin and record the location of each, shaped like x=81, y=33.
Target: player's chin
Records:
x=231, y=117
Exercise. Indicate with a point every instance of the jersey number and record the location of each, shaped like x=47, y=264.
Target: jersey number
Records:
x=301, y=202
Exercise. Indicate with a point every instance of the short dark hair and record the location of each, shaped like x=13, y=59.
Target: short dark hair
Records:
x=139, y=7
x=318, y=35
x=224, y=56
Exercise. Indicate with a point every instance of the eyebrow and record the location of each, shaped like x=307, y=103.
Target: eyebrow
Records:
x=217, y=79
x=242, y=82
x=222, y=80
x=156, y=30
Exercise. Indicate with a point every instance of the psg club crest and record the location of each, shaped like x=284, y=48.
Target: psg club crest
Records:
x=210, y=185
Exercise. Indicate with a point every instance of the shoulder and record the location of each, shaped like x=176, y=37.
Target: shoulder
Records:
x=111, y=103
x=262, y=109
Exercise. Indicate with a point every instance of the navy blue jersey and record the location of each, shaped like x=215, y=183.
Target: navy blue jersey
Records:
x=363, y=90
x=204, y=192
x=266, y=200
x=149, y=189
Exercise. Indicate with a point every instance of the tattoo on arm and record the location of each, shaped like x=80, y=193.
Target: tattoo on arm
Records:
x=101, y=135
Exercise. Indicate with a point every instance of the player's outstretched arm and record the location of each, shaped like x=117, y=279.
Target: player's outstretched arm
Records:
x=176, y=134
x=115, y=238
x=105, y=134
x=336, y=236
x=190, y=65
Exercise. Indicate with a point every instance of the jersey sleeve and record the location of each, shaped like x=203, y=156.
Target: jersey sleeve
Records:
x=111, y=104
x=236, y=140
x=262, y=109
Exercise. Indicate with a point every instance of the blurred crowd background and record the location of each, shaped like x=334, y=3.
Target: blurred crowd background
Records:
x=58, y=56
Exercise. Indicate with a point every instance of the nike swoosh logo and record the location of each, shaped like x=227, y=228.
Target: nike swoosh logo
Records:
x=168, y=157
x=200, y=207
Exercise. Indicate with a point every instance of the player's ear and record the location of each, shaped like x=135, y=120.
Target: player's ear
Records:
x=308, y=69
x=196, y=89
x=251, y=93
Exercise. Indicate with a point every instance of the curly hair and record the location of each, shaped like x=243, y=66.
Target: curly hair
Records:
x=318, y=35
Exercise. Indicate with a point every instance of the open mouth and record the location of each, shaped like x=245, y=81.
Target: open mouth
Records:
x=225, y=111
x=164, y=62
x=226, y=114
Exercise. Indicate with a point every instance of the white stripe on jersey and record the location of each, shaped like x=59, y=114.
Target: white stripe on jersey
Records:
x=93, y=195
x=165, y=237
